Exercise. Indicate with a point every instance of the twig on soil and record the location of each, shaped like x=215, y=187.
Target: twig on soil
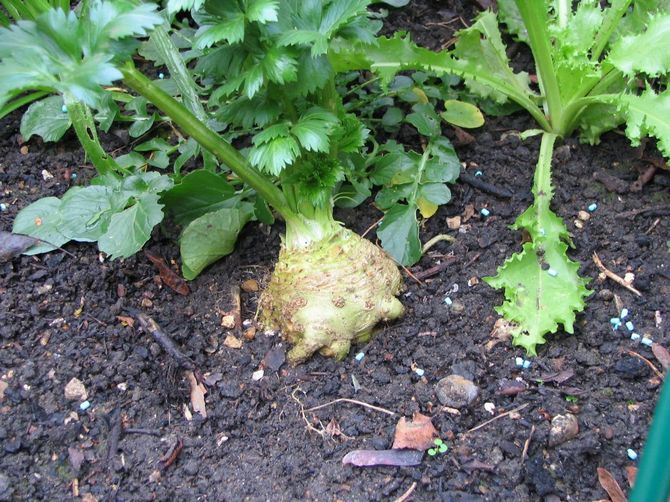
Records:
x=150, y=326
x=405, y=496
x=310, y=427
x=430, y=272
x=653, y=211
x=483, y=424
x=484, y=186
x=114, y=436
x=653, y=226
x=409, y=273
x=524, y=453
x=369, y=229
x=649, y=363
x=472, y=260
x=237, y=307
x=173, y=453
x=149, y=432
x=353, y=401
x=613, y=276
x=435, y=240
x=644, y=178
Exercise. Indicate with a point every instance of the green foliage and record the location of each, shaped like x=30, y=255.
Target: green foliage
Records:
x=542, y=286
x=46, y=118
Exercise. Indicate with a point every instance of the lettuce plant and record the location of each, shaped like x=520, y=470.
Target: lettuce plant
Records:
x=267, y=71
x=598, y=67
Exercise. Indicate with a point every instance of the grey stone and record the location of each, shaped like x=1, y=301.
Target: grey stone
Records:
x=456, y=391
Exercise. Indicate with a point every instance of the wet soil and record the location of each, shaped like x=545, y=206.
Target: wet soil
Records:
x=59, y=320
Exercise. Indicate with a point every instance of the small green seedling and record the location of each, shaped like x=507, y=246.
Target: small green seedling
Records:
x=440, y=447
x=572, y=399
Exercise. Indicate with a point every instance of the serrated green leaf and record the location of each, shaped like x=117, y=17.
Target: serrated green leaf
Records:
x=262, y=11
x=179, y=5
x=41, y=220
x=278, y=66
x=314, y=128
x=399, y=233
x=274, y=155
x=648, y=115
x=462, y=114
x=131, y=228
x=200, y=192
x=46, y=119
x=230, y=29
x=647, y=52
x=509, y=14
x=210, y=237
x=542, y=291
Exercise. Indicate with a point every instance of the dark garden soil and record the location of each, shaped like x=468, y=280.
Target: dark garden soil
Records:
x=58, y=321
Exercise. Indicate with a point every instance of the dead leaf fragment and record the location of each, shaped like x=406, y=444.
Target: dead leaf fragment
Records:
x=631, y=474
x=169, y=277
x=418, y=434
x=155, y=476
x=454, y=223
x=610, y=485
x=233, y=342
x=76, y=457
x=250, y=286
x=501, y=332
x=198, y=392
x=125, y=320
x=12, y=245
x=250, y=333
x=662, y=354
x=3, y=388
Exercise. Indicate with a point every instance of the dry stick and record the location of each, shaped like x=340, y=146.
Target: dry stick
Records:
x=310, y=427
x=353, y=401
x=405, y=496
x=418, y=281
x=613, y=276
x=430, y=272
x=653, y=226
x=651, y=365
x=524, y=453
x=149, y=432
x=237, y=306
x=114, y=436
x=369, y=229
x=518, y=408
x=484, y=186
x=656, y=209
x=150, y=326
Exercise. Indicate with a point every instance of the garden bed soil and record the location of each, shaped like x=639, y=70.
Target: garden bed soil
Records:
x=59, y=319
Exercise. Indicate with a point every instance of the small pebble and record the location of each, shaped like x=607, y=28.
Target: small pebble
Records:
x=583, y=215
x=478, y=173
x=448, y=301
x=257, y=375
x=63, y=109
x=518, y=361
x=490, y=407
x=592, y=207
x=563, y=428
x=526, y=364
x=552, y=272
x=647, y=341
x=419, y=371
x=624, y=314
x=85, y=405
x=3, y=207
x=360, y=356
x=635, y=337
x=630, y=326
x=456, y=392
x=484, y=212
x=632, y=454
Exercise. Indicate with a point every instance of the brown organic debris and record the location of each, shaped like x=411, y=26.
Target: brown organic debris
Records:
x=611, y=275
x=501, y=332
x=198, y=392
x=12, y=245
x=250, y=286
x=172, y=454
x=169, y=277
x=232, y=342
x=662, y=355
x=395, y=458
x=418, y=434
x=610, y=485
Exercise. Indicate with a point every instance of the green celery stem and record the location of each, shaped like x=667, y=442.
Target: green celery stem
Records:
x=652, y=483
x=207, y=138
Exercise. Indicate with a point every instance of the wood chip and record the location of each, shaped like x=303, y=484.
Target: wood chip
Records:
x=198, y=392
x=610, y=485
x=233, y=342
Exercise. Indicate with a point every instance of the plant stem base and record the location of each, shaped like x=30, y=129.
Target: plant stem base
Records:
x=330, y=294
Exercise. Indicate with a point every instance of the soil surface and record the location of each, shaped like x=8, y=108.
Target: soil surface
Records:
x=140, y=438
